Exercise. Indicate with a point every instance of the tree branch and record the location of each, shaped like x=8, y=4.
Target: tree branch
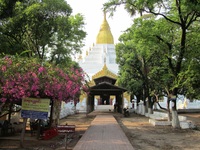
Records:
x=192, y=19
x=170, y=48
x=161, y=106
x=178, y=5
x=159, y=14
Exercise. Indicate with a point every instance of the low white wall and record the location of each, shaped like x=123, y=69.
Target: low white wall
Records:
x=67, y=109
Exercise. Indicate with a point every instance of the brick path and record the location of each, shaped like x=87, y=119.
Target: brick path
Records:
x=104, y=134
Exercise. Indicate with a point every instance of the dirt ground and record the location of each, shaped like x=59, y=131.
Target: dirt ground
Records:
x=142, y=135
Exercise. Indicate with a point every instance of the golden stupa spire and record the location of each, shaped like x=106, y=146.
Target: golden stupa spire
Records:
x=104, y=36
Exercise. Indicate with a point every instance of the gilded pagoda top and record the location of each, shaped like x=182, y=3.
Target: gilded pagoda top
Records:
x=104, y=36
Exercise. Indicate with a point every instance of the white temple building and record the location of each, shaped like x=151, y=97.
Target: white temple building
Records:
x=102, y=53
x=100, y=60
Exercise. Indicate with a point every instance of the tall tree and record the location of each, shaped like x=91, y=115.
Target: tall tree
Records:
x=43, y=28
x=137, y=55
x=181, y=13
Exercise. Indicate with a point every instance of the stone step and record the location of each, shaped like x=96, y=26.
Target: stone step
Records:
x=104, y=108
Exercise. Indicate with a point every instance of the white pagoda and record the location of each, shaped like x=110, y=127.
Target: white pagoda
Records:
x=102, y=53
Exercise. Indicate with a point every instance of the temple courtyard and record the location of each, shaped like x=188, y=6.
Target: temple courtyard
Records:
x=141, y=134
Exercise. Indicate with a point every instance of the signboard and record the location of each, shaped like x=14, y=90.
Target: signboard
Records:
x=66, y=128
x=35, y=108
x=34, y=114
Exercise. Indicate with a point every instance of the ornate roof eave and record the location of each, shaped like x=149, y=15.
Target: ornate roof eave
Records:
x=103, y=72
x=109, y=85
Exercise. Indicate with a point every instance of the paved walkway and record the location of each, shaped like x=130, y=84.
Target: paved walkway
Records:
x=104, y=134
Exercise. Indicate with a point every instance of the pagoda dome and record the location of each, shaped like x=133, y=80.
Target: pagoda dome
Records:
x=104, y=36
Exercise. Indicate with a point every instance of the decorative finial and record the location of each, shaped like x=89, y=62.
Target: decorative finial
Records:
x=104, y=13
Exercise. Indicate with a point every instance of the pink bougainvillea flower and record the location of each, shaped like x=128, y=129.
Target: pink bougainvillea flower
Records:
x=41, y=69
x=24, y=77
x=3, y=68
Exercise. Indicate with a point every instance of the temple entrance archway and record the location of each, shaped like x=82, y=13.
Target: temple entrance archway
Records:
x=104, y=99
x=104, y=87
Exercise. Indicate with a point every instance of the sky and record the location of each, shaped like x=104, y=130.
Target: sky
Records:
x=93, y=15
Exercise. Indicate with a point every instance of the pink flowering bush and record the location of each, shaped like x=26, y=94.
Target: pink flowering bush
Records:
x=25, y=77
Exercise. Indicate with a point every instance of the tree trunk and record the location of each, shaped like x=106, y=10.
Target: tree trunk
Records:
x=155, y=106
x=144, y=109
x=175, y=119
x=137, y=103
x=51, y=114
x=39, y=128
x=23, y=133
x=56, y=113
x=150, y=110
x=10, y=112
x=150, y=105
x=75, y=111
x=168, y=109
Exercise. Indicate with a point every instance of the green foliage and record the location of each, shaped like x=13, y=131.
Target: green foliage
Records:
x=6, y=8
x=190, y=80
x=164, y=42
x=45, y=28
